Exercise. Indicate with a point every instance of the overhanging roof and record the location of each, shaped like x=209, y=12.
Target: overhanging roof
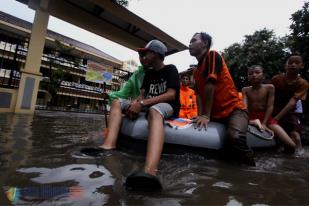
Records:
x=109, y=20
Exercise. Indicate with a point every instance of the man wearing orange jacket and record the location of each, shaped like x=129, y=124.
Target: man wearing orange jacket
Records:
x=188, y=107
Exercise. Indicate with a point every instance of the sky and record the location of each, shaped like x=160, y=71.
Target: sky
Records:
x=227, y=21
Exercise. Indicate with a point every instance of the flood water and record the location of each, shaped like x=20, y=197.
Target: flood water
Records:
x=40, y=165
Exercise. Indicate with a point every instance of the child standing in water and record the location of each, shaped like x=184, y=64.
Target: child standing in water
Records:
x=290, y=88
x=259, y=99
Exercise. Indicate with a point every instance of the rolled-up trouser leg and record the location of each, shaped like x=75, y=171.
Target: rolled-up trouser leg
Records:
x=236, y=136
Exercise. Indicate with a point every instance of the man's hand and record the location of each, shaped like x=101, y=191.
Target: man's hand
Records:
x=201, y=122
x=257, y=123
x=134, y=110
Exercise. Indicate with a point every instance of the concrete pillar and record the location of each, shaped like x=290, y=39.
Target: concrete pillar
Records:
x=30, y=75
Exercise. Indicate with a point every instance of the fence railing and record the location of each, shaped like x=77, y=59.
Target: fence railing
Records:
x=12, y=58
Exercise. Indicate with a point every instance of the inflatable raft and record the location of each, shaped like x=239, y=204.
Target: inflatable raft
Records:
x=181, y=132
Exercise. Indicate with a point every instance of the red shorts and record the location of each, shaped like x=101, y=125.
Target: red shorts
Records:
x=260, y=116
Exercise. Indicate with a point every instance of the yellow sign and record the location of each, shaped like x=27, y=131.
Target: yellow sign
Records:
x=99, y=73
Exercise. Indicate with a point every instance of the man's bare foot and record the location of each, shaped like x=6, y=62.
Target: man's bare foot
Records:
x=150, y=171
x=96, y=151
x=299, y=151
x=107, y=147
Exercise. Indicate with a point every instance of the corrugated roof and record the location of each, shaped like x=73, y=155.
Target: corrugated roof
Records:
x=27, y=25
x=109, y=20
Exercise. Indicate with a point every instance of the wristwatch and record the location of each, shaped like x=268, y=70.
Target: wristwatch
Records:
x=142, y=103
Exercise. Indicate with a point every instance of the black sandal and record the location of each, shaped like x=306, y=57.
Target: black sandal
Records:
x=95, y=151
x=142, y=181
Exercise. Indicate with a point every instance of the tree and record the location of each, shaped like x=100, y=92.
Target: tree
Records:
x=55, y=79
x=262, y=48
x=298, y=40
x=58, y=73
x=123, y=3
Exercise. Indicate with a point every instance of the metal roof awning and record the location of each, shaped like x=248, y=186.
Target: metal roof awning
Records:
x=109, y=20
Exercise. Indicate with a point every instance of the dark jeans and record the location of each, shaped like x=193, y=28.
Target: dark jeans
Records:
x=237, y=124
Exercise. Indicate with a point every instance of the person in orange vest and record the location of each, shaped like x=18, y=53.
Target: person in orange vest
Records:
x=188, y=106
x=240, y=96
x=219, y=97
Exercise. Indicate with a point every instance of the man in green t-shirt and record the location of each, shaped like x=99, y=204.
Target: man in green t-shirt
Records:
x=131, y=89
x=159, y=98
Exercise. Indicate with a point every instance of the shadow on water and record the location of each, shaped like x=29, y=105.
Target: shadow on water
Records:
x=40, y=165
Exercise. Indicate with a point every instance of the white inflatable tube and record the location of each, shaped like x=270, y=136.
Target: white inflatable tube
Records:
x=212, y=138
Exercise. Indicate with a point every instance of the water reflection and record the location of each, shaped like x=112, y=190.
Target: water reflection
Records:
x=41, y=165
x=86, y=185
x=16, y=140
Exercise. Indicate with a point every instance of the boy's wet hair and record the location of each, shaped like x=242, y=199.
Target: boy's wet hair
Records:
x=294, y=54
x=185, y=74
x=256, y=66
x=205, y=38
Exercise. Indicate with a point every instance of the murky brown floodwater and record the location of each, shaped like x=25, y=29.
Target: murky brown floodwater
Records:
x=40, y=165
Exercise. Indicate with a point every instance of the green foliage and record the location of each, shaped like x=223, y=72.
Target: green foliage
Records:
x=58, y=73
x=298, y=40
x=262, y=48
x=64, y=48
x=52, y=84
x=123, y=3
x=55, y=79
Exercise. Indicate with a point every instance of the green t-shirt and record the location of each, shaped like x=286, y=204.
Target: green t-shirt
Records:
x=131, y=88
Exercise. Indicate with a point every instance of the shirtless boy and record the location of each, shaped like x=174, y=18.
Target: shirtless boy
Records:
x=259, y=99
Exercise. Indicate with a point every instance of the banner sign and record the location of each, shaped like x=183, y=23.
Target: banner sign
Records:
x=99, y=73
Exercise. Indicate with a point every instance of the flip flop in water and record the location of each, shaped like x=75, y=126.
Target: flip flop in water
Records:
x=266, y=135
x=95, y=151
x=141, y=181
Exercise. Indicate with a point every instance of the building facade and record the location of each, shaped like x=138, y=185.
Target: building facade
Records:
x=75, y=76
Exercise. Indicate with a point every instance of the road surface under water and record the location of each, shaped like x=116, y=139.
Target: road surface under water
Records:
x=40, y=164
